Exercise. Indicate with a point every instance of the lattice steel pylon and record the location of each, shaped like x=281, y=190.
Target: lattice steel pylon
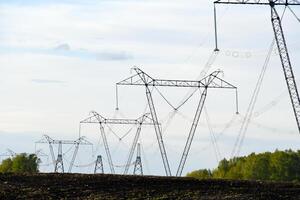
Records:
x=143, y=79
x=58, y=162
x=138, y=166
x=99, y=166
x=98, y=119
x=281, y=45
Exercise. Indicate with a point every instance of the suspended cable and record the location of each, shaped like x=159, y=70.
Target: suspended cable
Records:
x=244, y=127
x=294, y=13
x=219, y=135
x=98, y=145
x=68, y=150
x=205, y=39
x=114, y=133
x=118, y=166
x=123, y=166
x=168, y=102
x=85, y=165
x=275, y=130
x=181, y=104
x=169, y=120
x=175, y=111
x=117, y=147
x=46, y=165
x=213, y=138
x=269, y=105
x=126, y=133
x=146, y=164
x=191, y=92
x=207, y=66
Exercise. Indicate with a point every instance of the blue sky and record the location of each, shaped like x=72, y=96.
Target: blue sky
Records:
x=61, y=59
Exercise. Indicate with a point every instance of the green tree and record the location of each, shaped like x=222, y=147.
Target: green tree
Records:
x=277, y=166
x=21, y=163
x=6, y=165
x=200, y=174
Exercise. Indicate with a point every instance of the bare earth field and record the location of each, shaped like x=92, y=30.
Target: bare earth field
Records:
x=83, y=186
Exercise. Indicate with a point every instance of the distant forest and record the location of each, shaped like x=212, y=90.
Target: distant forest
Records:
x=277, y=166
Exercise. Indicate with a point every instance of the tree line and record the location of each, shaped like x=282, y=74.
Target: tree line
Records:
x=20, y=163
x=276, y=166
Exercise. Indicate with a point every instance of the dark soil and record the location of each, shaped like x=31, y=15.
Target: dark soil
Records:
x=83, y=186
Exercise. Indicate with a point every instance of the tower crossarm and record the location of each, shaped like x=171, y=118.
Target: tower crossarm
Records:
x=97, y=118
x=210, y=81
x=47, y=139
x=260, y=2
x=83, y=141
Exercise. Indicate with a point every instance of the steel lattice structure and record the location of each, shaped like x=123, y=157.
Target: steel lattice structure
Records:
x=99, y=165
x=281, y=45
x=138, y=167
x=98, y=119
x=260, y=2
x=143, y=79
x=58, y=162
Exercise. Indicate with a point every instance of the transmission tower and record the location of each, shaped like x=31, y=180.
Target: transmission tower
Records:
x=281, y=45
x=143, y=79
x=138, y=167
x=58, y=162
x=98, y=119
x=99, y=165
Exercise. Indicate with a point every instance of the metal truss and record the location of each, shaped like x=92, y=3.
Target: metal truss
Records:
x=281, y=45
x=99, y=165
x=143, y=79
x=138, y=167
x=260, y=2
x=98, y=119
x=58, y=162
x=286, y=64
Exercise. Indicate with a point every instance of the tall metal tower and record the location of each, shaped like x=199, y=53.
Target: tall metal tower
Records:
x=143, y=79
x=58, y=162
x=98, y=119
x=281, y=45
x=99, y=165
x=138, y=167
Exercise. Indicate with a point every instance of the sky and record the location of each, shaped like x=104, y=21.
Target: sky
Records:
x=61, y=59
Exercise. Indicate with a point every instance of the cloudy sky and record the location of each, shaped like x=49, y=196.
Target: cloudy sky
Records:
x=61, y=59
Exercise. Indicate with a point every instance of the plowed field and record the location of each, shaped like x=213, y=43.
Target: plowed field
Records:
x=83, y=186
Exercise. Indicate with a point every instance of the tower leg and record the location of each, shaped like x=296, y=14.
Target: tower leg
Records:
x=192, y=133
x=107, y=149
x=158, y=132
x=133, y=147
x=286, y=64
